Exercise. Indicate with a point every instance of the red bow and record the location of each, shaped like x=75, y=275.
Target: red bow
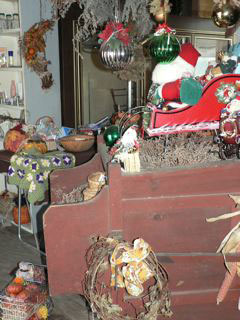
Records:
x=164, y=28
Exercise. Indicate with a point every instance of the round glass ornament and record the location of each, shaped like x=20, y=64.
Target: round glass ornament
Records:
x=164, y=48
x=116, y=58
x=111, y=135
x=225, y=15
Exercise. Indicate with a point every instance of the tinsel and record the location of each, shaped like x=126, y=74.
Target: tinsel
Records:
x=134, y=71
x=97, y=12
x=235, y=3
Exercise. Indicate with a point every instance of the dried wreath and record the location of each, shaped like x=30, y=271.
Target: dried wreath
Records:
x=121, y=275
x=226, y=92
x=33, y=46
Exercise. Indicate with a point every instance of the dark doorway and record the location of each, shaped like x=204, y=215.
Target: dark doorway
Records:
x=66, y=26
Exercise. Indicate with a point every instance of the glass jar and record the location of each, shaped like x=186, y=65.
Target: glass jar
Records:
x=15, y=21
x=3, y=24
x=9, y=21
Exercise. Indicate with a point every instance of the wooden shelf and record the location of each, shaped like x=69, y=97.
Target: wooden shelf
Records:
x=25, y=227
x=13, y=111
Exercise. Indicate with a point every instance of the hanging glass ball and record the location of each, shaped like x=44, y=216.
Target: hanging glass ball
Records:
x=111, y=135
x=225, y=15
x=164, y=48
x=116, y=58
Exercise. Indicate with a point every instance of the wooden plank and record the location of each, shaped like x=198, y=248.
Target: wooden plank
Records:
x=222, y=178
x=178, y=224
x=67, y=233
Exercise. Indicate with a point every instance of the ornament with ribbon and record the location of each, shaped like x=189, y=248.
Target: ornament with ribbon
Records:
x=164, y=45
x=116, y=50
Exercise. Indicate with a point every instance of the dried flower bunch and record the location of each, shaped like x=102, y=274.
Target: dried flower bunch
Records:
x=106, y=301
x=184, y=149
x=157, y=5
x=33, y=47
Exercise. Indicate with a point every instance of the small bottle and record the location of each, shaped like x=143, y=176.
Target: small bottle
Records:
x=15, y=21
x=10, y=58
x=3, y=24
x=13, y=90
x=9, y=21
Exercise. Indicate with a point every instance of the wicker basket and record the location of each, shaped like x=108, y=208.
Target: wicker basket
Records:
x=96, y=180
x=77, y=143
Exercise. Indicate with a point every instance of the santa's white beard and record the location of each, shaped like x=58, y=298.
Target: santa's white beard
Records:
x=173, y=71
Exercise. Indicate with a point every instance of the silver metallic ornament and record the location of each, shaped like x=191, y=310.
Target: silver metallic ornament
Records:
x=116, y=58
x=225, y=15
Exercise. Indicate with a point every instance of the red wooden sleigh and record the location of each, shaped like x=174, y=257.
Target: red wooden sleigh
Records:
x=205, y=115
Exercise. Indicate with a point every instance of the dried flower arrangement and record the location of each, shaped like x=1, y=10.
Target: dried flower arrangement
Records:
x=95, y=13
x=106, y=301
x=33, y=46
x=157, y=5
x=184, y=149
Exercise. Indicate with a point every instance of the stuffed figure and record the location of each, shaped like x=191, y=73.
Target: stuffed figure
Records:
x=174, y=81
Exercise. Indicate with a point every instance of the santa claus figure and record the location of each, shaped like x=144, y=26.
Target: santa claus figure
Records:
x=174, y=81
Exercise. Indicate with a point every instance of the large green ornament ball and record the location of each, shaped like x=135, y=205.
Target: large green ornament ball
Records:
x=164, y=48
x=111, y=135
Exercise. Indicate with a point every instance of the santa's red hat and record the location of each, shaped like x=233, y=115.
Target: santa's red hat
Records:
x=189, y=54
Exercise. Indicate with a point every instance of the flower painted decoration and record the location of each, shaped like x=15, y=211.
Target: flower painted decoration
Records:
x=115, y=33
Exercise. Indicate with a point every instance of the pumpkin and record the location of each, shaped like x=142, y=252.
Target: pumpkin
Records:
x=14, y=288
x=18, y=280
x=37, y=145
x=23, y=295
x=13, y=139
x=25, y=217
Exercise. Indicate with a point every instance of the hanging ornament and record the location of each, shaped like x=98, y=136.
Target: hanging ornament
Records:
x=116, y=51
x=225, y=14
x=111, y=135
x=164, y=46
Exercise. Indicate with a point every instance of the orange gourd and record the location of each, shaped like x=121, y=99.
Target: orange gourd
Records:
x=37, y=145
x=25, y=217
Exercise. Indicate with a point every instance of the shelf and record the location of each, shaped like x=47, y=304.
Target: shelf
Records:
x=3, y=106
x=13, y=111
x=9, y=69
x=10, y=32
x=26, y=227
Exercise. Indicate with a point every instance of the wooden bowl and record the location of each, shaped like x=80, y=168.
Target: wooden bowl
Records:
x=77, y=143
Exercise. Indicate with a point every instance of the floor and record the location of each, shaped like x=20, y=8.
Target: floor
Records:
x=12, y=251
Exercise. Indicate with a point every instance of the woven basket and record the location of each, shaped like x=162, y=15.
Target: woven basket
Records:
x=96, y=180
x=77, y=143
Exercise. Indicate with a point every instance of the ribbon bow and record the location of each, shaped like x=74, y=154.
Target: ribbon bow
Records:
x=132, y=275
x=164, y=28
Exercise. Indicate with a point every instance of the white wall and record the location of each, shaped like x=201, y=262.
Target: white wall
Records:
x=41, y=102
